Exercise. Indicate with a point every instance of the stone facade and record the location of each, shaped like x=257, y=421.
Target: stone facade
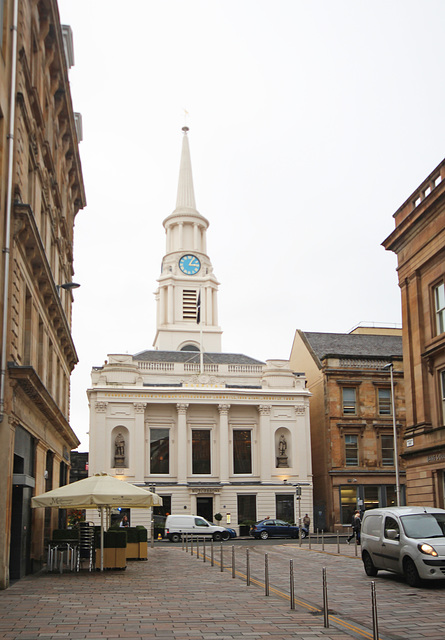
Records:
x=419, y=242
x=39, y=204
x=352, y=420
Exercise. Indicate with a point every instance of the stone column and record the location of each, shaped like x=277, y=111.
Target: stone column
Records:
x=196, y=243
x=266, y=455
x=170, y=305
x=137, y=452
x=102, y=460
x=181, y=228
x=224, y=442
x=181, y=443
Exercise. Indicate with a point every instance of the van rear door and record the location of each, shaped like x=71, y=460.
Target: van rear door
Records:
x=391, y=544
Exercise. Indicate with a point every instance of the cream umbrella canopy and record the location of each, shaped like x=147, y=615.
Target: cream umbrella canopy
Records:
x=100, y=490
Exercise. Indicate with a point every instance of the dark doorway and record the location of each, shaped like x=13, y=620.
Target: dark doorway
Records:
x=204, y=508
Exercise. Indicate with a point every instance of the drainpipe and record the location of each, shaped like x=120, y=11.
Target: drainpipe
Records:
x=6, y=249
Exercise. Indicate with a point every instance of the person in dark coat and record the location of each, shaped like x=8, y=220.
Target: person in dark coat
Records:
x=356, y=527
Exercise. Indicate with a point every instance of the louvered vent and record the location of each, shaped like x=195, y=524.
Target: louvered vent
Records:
x=189, y=298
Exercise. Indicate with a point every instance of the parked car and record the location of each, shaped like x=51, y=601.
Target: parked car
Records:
x=276, y=529
x=405, y=540
x=176, y=525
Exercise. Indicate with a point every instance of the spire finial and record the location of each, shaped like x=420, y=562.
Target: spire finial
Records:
x=185, y=127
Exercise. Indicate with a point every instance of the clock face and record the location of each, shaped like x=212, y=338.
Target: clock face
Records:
x=189, y=265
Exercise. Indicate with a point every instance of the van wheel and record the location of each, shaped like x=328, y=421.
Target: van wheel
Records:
x=225, y=535
x=217, y=536
x=411, y=573
x=368, y=564
x=175, y=537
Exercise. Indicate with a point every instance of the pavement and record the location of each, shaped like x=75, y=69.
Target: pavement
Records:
x=177, y=595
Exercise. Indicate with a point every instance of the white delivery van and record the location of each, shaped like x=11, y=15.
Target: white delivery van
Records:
x=405, y=540
x=195, y=525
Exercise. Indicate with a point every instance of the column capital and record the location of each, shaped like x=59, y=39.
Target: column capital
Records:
x=300, y=410
x=139, y=407
x=181, y=408
x=264, y=409
x=223, y=409
x=101, y=407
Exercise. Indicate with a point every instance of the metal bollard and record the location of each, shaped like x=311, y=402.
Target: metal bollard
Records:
x=266, y=573
x=310, y=541
x=375, y=623
x=322, y=539
x=212, y=561
x=197, y=547
x=222, y=561
x=356, y=545
x=325, y=600
x=182, y=538
x=191, y=544
x=204, y=549
x=186, y=543
x=247, y=567
x=233, y=561
x=292, y=584
x=317, y=535
x=152, y=537
x=338, y=542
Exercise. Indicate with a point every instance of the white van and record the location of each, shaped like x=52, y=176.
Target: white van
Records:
x=405, y=540
x=196, y=525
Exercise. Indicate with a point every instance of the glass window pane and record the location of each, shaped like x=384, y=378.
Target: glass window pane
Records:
x=246, y=508
x=348, y=502
x=242, y=451
x=440, y=307
x=371, y=494
x=384, y=401
x=391, y=500
x=349, y=402
x=351, y=450
x=387, y=450
x=284, y=505
x=159, y=451
x=200, y=451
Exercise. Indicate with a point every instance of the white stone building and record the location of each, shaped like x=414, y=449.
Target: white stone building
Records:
x=213, y=431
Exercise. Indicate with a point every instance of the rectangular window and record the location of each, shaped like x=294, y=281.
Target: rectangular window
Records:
x=442, y=381
x=189, y=304
x=242, y=451
x=284, y=505
x=200, y=451
x=348, y=502
x=351, y=450
x=387, y=450
x=349, y=400
x=439, y=302
x=159, y=451
x=384, y=402
x=246, y=508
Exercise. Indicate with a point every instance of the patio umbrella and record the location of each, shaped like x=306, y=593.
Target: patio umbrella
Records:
x=100, y=490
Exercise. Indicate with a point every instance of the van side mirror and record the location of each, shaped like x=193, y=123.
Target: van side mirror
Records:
x=392, y=534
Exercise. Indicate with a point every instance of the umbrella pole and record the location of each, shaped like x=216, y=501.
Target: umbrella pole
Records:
x=101, y=538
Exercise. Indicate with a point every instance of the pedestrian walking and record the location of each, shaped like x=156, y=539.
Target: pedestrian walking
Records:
x=306, y=522
x=356, y=525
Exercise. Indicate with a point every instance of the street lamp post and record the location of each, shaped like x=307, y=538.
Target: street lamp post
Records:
x=390, y=366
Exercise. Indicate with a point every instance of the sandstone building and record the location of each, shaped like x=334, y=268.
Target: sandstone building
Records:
x=41, y=191
x=419, y=242
x=352, y=427
x=214, y=432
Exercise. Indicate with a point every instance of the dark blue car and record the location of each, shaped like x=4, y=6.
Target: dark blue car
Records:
x=270, y=528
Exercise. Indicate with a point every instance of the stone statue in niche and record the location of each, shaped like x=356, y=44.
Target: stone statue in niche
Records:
x=119, y=451
x=282, y=457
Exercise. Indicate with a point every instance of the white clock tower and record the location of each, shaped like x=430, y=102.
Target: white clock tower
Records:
x=187, y=302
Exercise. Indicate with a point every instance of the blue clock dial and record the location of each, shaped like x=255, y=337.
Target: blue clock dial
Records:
x=189, y=265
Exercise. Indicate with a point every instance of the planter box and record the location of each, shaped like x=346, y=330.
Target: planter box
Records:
x=132, y=550
x=114, y=558
x=142, y=550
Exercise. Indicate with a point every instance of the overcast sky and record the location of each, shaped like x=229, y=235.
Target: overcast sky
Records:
x=310, y=121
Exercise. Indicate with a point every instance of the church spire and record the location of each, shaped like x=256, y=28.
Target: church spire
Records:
x=185, y=200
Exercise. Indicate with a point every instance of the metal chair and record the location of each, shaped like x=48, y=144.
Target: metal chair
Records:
x=86, y=545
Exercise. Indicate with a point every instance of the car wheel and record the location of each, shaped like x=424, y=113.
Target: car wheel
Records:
x=303, y=534
x=264, y=535
x=175, y=537
x=411, y=573
x=368, y=565
x=225, y=535
x=217, y=536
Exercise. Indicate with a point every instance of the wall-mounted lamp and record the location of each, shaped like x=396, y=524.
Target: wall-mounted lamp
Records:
x=67, y=286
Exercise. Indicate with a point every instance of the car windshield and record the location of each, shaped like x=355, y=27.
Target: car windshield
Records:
x=424, y=525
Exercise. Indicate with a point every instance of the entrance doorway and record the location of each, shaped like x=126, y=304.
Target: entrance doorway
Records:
x=204, y=508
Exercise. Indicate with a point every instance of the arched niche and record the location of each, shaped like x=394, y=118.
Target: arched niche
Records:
x=283, y=448
x=120, y=445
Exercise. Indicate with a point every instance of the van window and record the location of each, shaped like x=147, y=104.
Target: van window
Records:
x=424, y=525
x=392, y=524
x=201, y=523
x=371, y=525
